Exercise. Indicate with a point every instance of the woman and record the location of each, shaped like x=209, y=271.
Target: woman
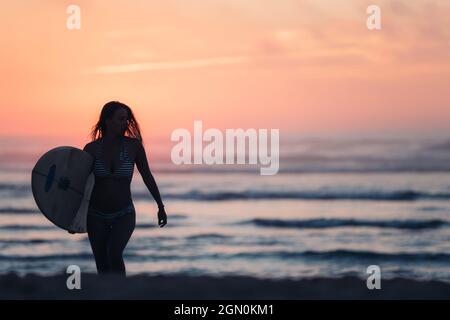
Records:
x=116, y=146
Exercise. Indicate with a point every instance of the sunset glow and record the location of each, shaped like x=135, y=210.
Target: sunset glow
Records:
x=301, y=66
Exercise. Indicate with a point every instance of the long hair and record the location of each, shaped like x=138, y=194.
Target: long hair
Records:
x=99, y=129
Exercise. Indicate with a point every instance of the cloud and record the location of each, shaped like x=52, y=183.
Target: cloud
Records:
x=169, y=65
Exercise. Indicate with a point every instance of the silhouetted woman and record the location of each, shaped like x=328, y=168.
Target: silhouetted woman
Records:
x=116, y=146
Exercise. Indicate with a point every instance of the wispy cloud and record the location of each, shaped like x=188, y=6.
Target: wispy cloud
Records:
x=169, y=65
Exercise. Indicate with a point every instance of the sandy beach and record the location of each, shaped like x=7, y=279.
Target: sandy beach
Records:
x=206, y=287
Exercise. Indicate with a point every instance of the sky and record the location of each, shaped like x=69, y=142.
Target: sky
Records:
x=304, y=67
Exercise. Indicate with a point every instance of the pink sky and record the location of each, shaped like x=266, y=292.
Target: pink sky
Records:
x=301, y=66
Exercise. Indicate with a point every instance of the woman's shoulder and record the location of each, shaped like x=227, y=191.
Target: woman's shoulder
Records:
x=133, y=141
x=134, y=146
x=92, y=144
x=91, y=147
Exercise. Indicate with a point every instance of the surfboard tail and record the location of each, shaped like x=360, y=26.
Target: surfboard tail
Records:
x=79, y=224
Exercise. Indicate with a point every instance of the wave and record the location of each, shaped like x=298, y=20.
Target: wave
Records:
x=155, y=225
x=29, y=241
x=15, y=187
x=208, y=236
x=339, y=254
x=18, y=210
x=354, y=255
x=26, y=227
x=23, y=190
x=178, y=216
x=77, y=256
x=399, y=195
x=351, y=254
x=430, y=208
x=335, y=223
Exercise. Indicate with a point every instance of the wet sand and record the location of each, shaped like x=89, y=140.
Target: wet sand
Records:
x=183, y=287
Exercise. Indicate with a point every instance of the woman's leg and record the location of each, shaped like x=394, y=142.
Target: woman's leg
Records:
x=121, y=231
x=99, y=233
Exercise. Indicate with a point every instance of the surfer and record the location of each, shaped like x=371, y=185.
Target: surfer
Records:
x=116, y=146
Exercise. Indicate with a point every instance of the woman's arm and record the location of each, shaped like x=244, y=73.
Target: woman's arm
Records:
x=142, y=165
x=89, y=148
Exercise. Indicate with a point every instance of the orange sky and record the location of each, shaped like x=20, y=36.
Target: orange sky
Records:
x=301, y=66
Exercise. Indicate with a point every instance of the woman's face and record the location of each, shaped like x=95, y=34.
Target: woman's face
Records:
x=118, y=123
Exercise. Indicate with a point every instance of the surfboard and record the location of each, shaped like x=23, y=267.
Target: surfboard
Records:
x=62, y=182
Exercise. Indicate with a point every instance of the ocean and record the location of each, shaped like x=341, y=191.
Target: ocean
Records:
x=336, y=207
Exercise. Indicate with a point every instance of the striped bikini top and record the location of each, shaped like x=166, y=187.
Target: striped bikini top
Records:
x=125, y=170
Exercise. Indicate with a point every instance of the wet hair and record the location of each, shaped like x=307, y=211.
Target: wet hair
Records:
x=99, y=129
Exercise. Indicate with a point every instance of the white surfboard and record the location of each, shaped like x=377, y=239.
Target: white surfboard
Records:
x=62, y=182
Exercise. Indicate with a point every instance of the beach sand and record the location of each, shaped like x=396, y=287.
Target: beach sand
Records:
x=182, y=287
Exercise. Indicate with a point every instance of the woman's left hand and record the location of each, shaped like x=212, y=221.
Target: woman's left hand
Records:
x=162, y=217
